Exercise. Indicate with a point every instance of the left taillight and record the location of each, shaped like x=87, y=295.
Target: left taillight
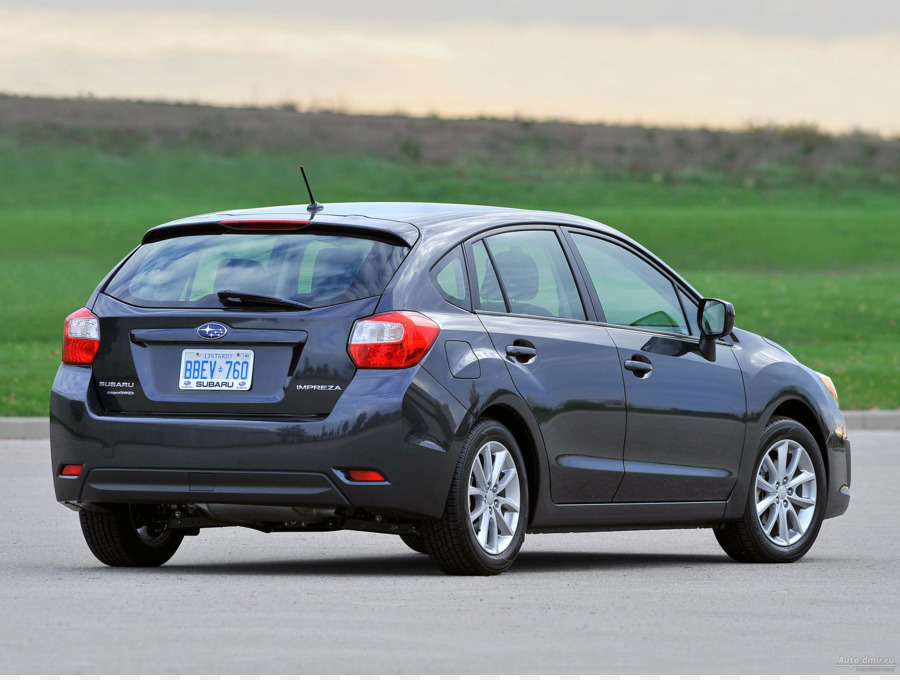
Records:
x=392, y=340
x=81, y=338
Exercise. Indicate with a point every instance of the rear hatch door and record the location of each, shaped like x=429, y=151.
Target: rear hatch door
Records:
x=238, y=322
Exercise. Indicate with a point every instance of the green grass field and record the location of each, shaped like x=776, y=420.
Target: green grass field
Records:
x=813, y=267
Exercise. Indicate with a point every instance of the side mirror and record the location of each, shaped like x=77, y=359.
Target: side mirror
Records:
x=715, y=318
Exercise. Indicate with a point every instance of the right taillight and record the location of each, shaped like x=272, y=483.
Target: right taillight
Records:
x=392, y=340
x=81, y=338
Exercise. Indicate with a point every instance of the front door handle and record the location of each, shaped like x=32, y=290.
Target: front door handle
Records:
x=639, y=368
x=521, y=352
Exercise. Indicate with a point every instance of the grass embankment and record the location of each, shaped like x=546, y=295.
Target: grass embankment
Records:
x=813, y=267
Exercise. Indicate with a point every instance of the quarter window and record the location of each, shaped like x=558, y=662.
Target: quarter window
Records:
x=631, y=292
x=535, y=274
x=690, y=309
x=449, y=275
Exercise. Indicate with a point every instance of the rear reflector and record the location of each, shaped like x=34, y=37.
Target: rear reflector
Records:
x=392, y=340
x=71, y=470
x=265, y=224
x=81, y=338
x=365, y=476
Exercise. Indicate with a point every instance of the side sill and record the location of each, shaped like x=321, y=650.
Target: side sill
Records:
x=611, y=516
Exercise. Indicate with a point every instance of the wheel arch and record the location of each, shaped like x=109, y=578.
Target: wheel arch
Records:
x=510, y=417
x=797, y=404
x=796, y=409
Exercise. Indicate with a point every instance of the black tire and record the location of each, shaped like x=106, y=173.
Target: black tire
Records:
x=745, y=540
x=451, y=541
x=116, y=541
x=414, y=541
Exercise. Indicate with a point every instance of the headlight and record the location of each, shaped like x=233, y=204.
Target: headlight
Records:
x=829, y=384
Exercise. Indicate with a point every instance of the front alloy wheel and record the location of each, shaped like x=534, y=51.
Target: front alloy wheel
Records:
x=786, y=503
x=785, y=492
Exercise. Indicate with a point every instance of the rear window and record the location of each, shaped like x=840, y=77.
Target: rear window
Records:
x=315, y=269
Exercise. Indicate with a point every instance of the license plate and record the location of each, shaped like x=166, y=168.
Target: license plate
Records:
x=216, y=369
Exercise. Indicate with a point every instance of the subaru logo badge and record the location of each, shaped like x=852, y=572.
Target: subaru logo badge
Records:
x=212, y=330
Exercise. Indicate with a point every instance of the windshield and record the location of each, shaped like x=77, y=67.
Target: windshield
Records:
x=313, y=269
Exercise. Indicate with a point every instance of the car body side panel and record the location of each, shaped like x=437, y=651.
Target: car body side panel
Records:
x=685, y=420
x=574, y=387
x=492, y=389
x=495, y=388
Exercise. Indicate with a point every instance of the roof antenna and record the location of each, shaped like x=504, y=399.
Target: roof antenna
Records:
x=314, y=206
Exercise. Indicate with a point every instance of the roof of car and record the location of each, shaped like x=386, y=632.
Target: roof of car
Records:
x=406, y=220
x=427, y=215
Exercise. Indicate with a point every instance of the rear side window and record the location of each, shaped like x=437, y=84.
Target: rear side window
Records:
x=449, y=275
x=535, y=274
x=315, y=269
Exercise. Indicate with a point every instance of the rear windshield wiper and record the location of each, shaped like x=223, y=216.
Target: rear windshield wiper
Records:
x=236, y=297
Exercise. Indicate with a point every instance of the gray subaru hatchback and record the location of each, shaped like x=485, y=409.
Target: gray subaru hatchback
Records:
x=455, y=375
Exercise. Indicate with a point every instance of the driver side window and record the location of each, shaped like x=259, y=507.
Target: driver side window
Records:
x=631, y=292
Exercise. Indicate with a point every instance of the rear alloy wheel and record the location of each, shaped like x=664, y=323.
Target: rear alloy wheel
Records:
x=122, y=538
x=786, y=501
x=484, y=520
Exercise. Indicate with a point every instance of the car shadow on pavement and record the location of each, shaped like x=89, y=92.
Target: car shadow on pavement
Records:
x=419, y=565
x=382, y=565
x=584, y=561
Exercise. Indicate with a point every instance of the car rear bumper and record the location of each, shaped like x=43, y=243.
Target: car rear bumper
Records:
x=403, y=424
x=148, y=485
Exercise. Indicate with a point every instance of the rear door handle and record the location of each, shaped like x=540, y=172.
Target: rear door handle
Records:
x=521, y=351
x=639, y=368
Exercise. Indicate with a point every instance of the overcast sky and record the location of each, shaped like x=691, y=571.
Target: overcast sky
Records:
x=692, y=62
x=810, y=18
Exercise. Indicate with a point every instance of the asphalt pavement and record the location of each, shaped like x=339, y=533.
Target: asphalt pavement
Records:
x=236, y=601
